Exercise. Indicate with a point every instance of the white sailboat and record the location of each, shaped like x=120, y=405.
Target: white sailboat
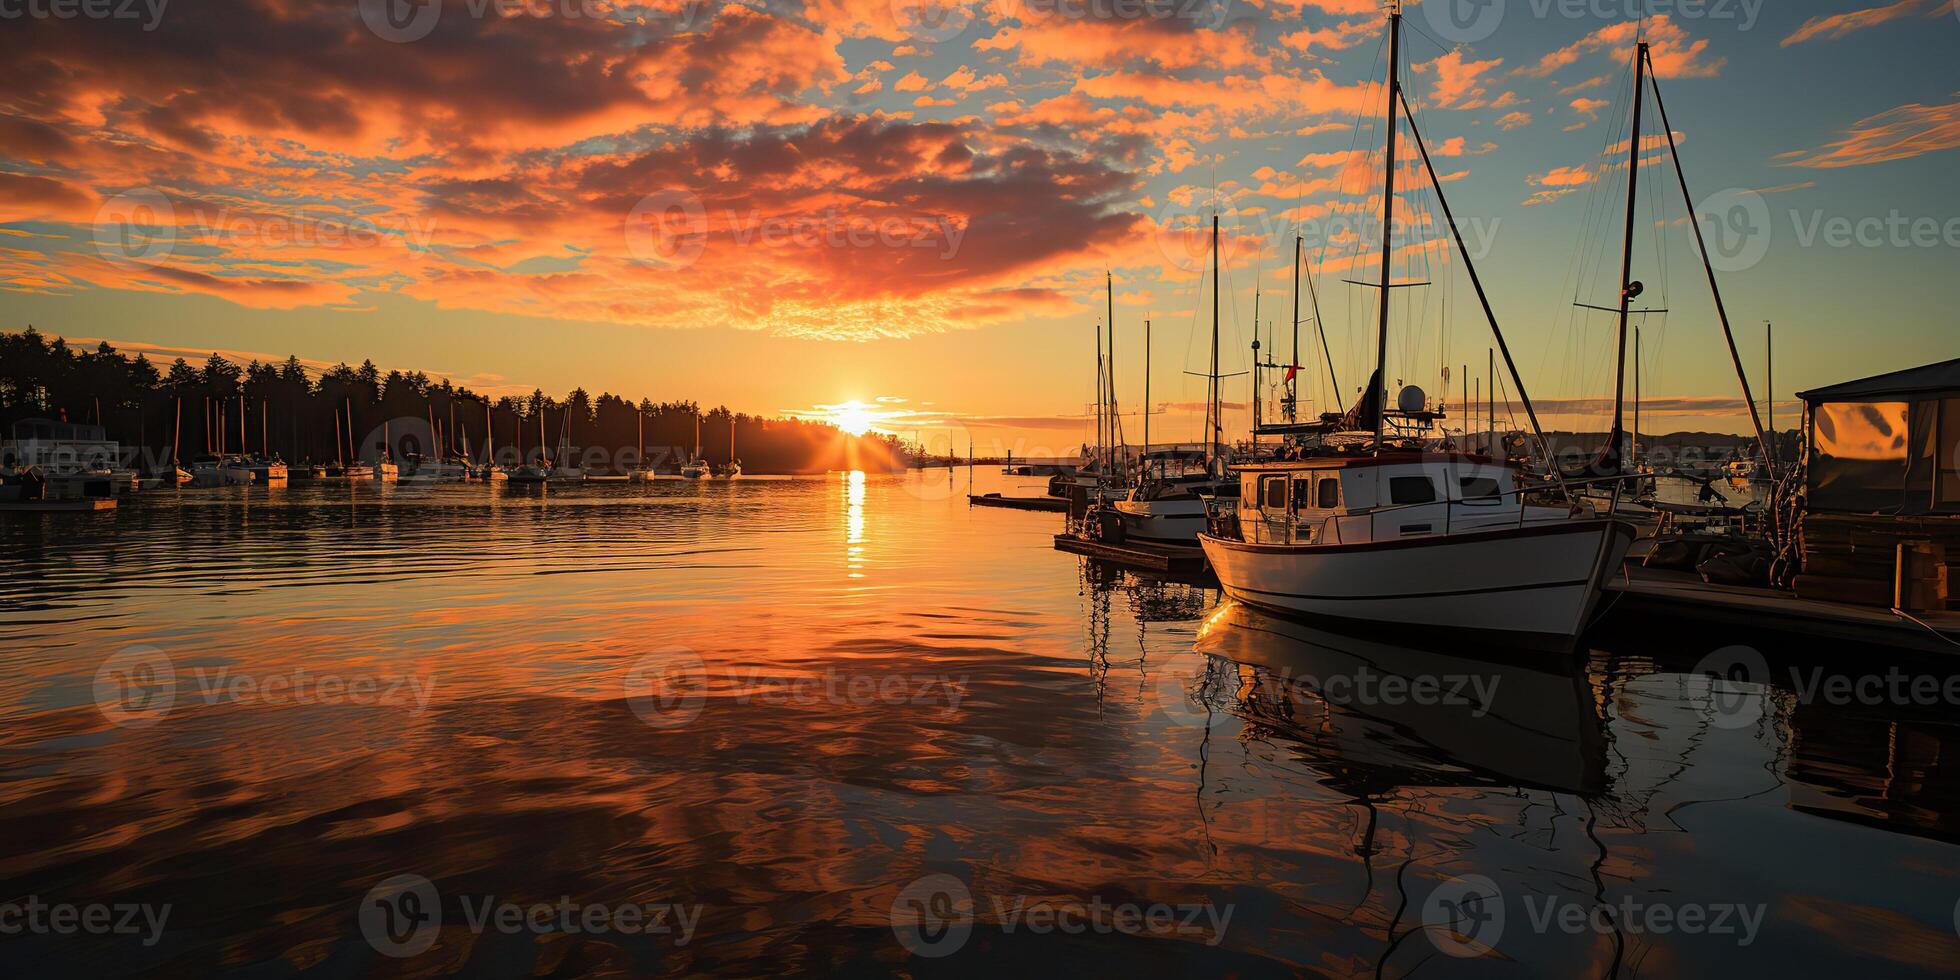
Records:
x=532, y=471
x=489, y=472
x=566, y=467
x=1443, y=541
x=733, y=468
x=641, y=471
x=1168, y=503
x=696, y=468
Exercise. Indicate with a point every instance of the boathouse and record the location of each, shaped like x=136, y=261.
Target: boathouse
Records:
x=1879, y=471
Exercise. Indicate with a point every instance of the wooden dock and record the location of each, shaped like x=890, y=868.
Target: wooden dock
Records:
x=1681, y=593
x=1053, y=505
x=83, y=505
x=1188, y=562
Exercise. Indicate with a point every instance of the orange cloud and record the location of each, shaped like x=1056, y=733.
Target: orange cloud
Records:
x=1896, y=134
x=1830, y=27
x=1456, y=78
x=1556, y=183
x=1674, y=55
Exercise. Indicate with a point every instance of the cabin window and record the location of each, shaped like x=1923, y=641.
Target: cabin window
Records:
x=1411, y=490
x=1330, y=493
x=1273, y=491
x=1479, y=490
x=1302, y=494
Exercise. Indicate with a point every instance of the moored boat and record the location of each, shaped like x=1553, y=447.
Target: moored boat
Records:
x=1441, y=540
x=1168, y=504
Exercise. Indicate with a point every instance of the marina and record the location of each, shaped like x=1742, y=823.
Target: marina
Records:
x=1223, y=737
x=1334, y=489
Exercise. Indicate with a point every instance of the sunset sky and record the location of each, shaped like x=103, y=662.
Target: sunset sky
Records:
x=786, y=207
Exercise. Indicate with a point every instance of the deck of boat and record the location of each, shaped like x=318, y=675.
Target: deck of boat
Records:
x=1684, y=593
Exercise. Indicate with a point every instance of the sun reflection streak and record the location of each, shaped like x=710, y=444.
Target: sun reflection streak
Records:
x=854, y=523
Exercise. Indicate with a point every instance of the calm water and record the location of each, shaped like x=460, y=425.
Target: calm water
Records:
x=849, y=724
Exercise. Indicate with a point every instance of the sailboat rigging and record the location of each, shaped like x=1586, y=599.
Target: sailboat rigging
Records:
x=1441, y=540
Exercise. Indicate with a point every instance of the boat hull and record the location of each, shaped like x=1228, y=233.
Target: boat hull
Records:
x=1162, y=521
x=1535, y=586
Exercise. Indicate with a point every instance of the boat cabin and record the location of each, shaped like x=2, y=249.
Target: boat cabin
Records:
x=1176, y=474
x=1359, y=499
x=59, y=447
x=1880, y=485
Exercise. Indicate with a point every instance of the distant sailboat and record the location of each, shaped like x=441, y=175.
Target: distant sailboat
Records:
x=567, y=467
x=490, y=472
x=734, y=467
x=527, y=471
x=696, y=468
x=641, y=472
x=1168, y=502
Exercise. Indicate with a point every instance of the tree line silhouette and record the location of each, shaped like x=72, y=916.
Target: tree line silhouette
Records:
x=190, y=411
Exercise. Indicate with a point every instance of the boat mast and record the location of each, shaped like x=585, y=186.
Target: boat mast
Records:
x=1292, y=403
x=1255, y=356
x=1115, y=424
x=490, y=436
x=1102, y=412
x=1146, y=387
x=1380, y=381
x=1627, y=289
x=1212, y=407
x=1721, y=311
x=1636, y=395
x=1769, y=382
x=176, y=431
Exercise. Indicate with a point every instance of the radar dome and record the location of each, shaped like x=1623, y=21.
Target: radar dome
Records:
x=1411, y=399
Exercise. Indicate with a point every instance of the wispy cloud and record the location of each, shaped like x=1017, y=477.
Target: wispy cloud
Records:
x=1896, y=134
x=1830, y=27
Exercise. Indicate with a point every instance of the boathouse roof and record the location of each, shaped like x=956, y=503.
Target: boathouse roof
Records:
x=1931, y=379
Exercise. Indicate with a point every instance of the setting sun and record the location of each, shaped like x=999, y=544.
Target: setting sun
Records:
x=852, y=417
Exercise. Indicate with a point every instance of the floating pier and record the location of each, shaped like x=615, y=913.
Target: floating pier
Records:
x=83, y=505
x=1682, y=593
x=1153, y=558
x=1053, y=505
